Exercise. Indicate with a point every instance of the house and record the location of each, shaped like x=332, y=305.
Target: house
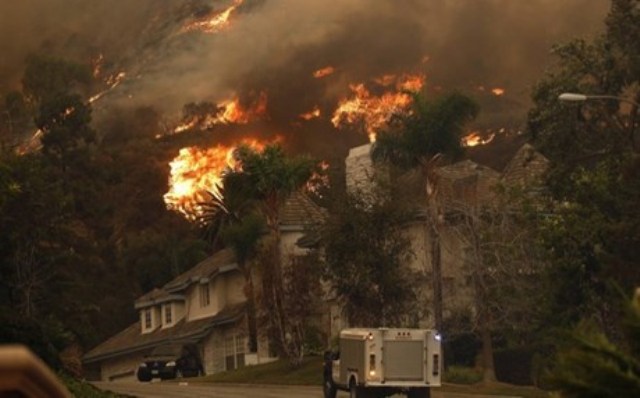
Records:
x=205, y=306
x=459, y=186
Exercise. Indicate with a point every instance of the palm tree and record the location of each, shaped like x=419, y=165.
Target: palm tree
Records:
x=426, y=136
x=230, y=217
x=273, y=177
x=243, y=238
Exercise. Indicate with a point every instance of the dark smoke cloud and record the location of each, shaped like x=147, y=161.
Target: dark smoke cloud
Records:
x=275, y=45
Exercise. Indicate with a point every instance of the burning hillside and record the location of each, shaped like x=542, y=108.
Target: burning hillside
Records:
x=323, y=76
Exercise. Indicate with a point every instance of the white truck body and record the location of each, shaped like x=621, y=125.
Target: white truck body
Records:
x=381, y=362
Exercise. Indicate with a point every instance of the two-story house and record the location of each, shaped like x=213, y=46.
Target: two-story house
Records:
x=205, y=306
x=462, y=184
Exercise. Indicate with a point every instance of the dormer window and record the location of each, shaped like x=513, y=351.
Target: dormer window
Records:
x=168, y=315
x=148, y=321
x=205, y=299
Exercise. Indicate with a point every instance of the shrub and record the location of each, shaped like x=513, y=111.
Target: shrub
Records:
x=462, y=375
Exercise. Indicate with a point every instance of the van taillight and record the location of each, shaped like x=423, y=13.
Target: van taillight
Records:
x=372, y=365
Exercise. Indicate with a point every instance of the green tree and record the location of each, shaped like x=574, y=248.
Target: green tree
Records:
x=48, y=77
x=243, y=238
x=593, y=231
x=273, y=177
x=590, y=365
x=430, y=133
x=65, y=123
x=367, y=259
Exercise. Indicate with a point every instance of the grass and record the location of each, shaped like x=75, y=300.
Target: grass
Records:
x=278, y=372
x=310, y=373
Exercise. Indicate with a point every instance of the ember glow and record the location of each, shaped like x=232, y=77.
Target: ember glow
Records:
x=214, y=23
x=320, y=73
x=195, y=171
x=475, y=139
x=374, y=111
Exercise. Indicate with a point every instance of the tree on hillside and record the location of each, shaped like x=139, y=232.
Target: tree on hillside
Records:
x=593, y=237
x=422, y=138
x=48, y=77
x=367, y=261
x=272, y=177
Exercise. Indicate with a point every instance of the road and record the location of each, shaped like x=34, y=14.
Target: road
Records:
x=200, y=390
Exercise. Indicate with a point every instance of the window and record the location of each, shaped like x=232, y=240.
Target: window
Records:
x=168, y=316
x=205, y=300
x=147, y=319
x=234, y=350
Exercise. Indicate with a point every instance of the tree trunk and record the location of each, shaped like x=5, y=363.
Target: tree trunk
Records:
x=488, y=367
x=432, y=239
x=251, y=311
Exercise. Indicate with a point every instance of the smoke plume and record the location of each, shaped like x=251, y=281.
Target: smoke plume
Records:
x=274, y=46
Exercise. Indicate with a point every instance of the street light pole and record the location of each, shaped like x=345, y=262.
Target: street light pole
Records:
x=578, y=97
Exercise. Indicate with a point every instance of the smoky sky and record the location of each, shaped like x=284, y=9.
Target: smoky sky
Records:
x=275, y=45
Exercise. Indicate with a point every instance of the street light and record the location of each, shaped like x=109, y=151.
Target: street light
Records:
x=577, y=97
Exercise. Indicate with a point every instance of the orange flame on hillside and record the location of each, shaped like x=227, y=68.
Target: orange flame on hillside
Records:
x=498, y=91
x=311, y=114
x=112, y=81
x=214, y=23
x=475, y=139
x=375, y=111
x=320, y=73
x=196, y=171
x=227, y=112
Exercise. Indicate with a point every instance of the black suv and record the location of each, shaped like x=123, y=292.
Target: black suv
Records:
x=170, y=361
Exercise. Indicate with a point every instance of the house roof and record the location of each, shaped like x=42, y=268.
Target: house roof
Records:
x=300, y=210
x=131, y=340
x=222, y=261
x=526, y=166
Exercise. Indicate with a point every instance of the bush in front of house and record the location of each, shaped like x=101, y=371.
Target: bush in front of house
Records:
x=462, y=375
x=514, y=365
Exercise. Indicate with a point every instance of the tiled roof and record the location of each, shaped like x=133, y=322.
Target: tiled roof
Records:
x=221, y=261
x=466, y=181
x=131, y=339
x=300, y=210
x=526, y=167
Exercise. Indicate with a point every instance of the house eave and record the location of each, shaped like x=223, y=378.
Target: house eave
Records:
x=149, y=303
x=201, y=279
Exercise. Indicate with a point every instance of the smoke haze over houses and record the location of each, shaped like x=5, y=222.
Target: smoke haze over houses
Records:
x=274, y=46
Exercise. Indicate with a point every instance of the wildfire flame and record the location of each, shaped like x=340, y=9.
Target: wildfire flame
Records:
x=475, y=139
x=311, y=114
x=195, y=171
x=375, y=111
x=320, y=73
x=228, y=111
x=112, y=81
x=497, y=91
x=214, y=23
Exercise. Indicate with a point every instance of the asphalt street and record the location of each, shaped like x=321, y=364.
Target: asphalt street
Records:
x=201, y=390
